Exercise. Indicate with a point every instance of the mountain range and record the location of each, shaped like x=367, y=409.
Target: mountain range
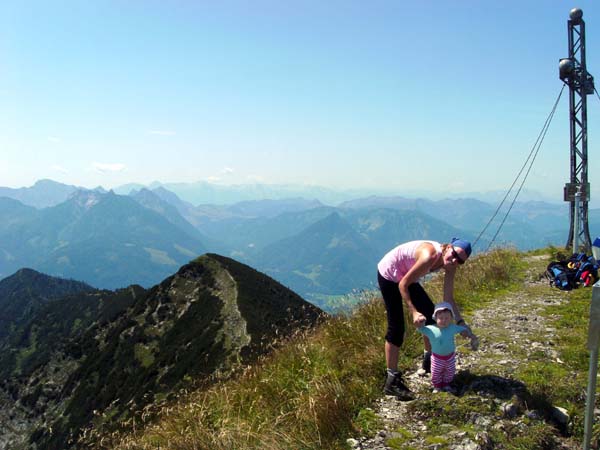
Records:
x=110, y=240
x=104, y=239
x=86, y=355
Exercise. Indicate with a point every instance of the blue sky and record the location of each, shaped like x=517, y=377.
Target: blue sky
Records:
x=441, y=96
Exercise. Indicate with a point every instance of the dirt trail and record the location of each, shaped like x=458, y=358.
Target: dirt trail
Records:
x=506, y=329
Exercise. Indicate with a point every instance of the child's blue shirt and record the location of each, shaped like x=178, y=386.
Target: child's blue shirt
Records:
x=442, y=339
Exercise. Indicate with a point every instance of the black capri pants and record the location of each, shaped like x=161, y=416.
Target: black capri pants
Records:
x=395, y=308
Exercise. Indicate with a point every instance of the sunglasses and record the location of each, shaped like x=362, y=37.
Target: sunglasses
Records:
x=455, y=256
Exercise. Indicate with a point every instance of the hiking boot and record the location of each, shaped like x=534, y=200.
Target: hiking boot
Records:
x=394, y=385
x=426, y=366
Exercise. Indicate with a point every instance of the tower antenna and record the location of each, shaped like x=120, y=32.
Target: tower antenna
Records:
x=573, y=72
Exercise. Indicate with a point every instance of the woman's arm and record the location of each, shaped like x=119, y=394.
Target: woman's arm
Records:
x=450, y=273
x=449, y=297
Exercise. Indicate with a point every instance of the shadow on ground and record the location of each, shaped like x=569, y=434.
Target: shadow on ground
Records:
x=518, y=400
x=489, y=386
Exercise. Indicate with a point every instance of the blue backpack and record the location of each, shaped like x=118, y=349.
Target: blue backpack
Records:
x=560, y=276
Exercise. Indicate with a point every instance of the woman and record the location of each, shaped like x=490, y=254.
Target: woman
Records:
x=398, y=274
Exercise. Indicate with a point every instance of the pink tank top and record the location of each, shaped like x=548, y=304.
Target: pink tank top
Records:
x=398, y=261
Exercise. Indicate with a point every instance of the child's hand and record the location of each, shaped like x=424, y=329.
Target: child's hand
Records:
x=418, y=319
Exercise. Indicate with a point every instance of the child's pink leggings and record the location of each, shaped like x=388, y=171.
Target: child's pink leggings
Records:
x=442, y=369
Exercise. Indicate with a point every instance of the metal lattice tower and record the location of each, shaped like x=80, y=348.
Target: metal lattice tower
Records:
x=573, y=72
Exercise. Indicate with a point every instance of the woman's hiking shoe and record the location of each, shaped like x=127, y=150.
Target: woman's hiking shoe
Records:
x=394, y=385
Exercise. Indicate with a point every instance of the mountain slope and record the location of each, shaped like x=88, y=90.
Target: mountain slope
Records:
x=181, y=214
x=152, y=201
x=386, y=228
x=209, y=317
x=328, y=257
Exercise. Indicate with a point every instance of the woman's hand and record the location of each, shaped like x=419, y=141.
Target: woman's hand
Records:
x=418, y=319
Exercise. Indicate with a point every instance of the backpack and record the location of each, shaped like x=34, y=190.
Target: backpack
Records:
x=561, y=276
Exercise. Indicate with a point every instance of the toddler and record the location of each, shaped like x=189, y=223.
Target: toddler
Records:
x=441, y=337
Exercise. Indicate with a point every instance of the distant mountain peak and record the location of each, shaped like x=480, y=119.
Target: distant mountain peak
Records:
x=45, y=182
x=27, y=277
x=42, y=194
x=26, y=272
x=86, y=199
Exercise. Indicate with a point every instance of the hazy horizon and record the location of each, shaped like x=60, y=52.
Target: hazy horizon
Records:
x=329, y=196
x=440, y=97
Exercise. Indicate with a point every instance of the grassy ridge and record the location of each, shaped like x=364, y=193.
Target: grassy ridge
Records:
x=314, y=390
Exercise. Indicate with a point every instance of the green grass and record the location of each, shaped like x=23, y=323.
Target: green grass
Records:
x=317, y=389
x=399, y=441
x=367, y=422
x=144, y=354
x=26, y=352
